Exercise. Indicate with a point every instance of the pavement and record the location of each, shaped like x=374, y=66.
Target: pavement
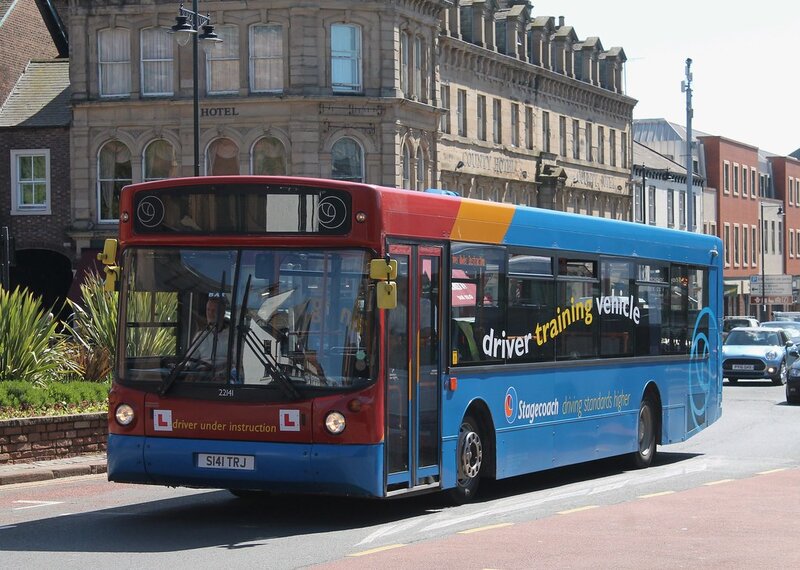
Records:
x=89, y=464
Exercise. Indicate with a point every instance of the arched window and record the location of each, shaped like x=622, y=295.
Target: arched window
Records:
x=222, y=157
x=406, y=166
x=420, y=169
x=114, y=62
x=160, y=161
x=156, y=61
x=269, y=157
x=113, y=172
x=347, y=160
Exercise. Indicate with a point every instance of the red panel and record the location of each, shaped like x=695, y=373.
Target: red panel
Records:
x=416, y=214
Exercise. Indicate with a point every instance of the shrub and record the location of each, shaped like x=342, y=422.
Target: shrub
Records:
x=28, y=339
x=20, y=399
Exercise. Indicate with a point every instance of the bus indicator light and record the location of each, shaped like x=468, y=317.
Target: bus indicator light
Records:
x=453, y=383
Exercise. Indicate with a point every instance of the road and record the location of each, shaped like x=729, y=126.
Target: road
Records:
x=728, y=497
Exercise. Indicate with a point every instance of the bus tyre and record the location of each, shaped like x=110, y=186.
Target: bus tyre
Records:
x=469, y=458
x=780, y=378
x=646, y=435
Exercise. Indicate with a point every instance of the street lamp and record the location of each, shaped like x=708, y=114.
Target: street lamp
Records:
x=763, y=249
x=187, y=24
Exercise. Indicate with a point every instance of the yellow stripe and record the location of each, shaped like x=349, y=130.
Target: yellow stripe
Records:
x=374, y=550
x=710, y=483
x=482, y=221
x=651, y=495
x=771, y=471
x=579, y=509
x=482, y=528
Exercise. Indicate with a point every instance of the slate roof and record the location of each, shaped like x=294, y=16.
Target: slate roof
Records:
x=40, y=98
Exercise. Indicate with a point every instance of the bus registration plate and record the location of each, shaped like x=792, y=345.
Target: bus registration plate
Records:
x=743, y=367
x=218, y=461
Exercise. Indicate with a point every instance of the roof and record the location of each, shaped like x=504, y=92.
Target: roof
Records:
x=652, y=160
x=648, y=130
x=40, y=98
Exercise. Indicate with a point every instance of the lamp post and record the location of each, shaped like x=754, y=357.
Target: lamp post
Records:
x=763, y=250
x=686, y=86
x=187, y=24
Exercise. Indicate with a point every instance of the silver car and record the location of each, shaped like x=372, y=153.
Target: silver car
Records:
x=755, y=353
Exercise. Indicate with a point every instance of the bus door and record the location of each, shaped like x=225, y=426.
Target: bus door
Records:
x=413, y=403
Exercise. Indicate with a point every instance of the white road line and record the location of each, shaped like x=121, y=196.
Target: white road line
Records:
x=35, y=504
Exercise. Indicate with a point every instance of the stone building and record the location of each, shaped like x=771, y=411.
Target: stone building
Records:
x=478, y=96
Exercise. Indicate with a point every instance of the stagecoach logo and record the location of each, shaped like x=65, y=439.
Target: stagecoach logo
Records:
x=162, y=420
x=332, y=212
x=289, y=420
x=150, y=212
x=510, y=404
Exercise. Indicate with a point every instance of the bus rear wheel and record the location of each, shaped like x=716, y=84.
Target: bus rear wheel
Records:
x=469, y=459
x=646, y=435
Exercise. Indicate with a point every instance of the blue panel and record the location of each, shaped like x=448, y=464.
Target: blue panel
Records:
x=280, y=467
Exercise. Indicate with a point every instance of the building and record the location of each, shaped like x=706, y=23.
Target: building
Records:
x=476, y=96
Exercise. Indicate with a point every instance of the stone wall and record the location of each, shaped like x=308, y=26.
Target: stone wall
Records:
x=52, y=437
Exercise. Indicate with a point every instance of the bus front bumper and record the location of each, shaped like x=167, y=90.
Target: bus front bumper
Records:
x=354, y=470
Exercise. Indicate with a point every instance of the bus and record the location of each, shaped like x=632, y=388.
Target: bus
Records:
x=380, y=342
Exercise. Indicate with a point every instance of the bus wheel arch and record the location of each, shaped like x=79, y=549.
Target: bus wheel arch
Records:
x=648, y=427
x=475, y=452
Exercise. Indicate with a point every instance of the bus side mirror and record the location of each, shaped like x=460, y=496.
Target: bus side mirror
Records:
x=387, y=294
x=381, y=269
x=108, y=258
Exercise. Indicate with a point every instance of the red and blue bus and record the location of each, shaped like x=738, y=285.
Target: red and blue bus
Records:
x=373, y=341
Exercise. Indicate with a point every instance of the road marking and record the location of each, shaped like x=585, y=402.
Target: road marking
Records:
x=710, y=483
x=8, y=527
x=35, y=504
x=389, y=529
x=771, y=471
x=483, y=528
x=374, y=550
x=651, y=495
x=579, y=509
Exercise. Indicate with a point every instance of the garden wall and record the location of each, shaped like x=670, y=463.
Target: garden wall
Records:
x=52, y=437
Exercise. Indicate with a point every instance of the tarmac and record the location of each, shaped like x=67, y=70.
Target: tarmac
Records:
x=89, y=464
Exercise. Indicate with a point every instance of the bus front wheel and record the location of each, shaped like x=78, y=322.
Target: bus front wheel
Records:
x=646, y=435
x=470, y=459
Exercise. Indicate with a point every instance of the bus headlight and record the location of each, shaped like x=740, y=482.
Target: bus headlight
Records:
x=335, y=423
x=124, y=414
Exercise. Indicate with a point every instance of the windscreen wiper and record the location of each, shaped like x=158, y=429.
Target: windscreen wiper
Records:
x=247, y=336
x=167, y=383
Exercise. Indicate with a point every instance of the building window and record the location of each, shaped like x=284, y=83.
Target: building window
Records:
x=266, y=58
x=514, y=124
x=222, y=158
x=651, y=205
x=497, y=121
x=745, y=255
x=156, y=61
x=545, y=131
x=682, y=210
x=406, y=168
x=589, y=142
x=744, y=182
x=623, y=139
x=736, y=245
x=347, y=160
x=346, y=58
x=754, y=241
x=638, y=205
x=529, y=128
x=779, y=238
x=612, y=147
x=404, y=63
x=601, y=145
x=418, y=88
x=114, y=62
x=791, y=191
x=726, y=178
x=735, y=179
x=420, y=169
x=222, y=63
x=726, y=243
x=113, y=172
x=670, y=208
x=30, y=181
x=269, y=157
x=562, y=135
x=444, y=123
x=576, y=139
x=481, y=117
x=461, y=112
x=160, y=161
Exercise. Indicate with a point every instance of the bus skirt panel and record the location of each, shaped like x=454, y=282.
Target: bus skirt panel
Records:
x=355, y=470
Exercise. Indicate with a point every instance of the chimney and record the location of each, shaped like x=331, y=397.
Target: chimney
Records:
x=561, y=21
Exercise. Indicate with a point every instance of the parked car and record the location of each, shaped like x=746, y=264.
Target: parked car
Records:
x=793, y=384
x=755, y=353
x=792, y=328
x=730, y=323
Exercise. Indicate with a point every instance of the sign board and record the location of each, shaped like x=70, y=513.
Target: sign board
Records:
x=771, y=300
x=775, y=286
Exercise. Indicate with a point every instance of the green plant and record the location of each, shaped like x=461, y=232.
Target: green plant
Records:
x=24, y=399
x=28, y=339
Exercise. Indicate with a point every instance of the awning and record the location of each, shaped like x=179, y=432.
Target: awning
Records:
x=87, y=264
